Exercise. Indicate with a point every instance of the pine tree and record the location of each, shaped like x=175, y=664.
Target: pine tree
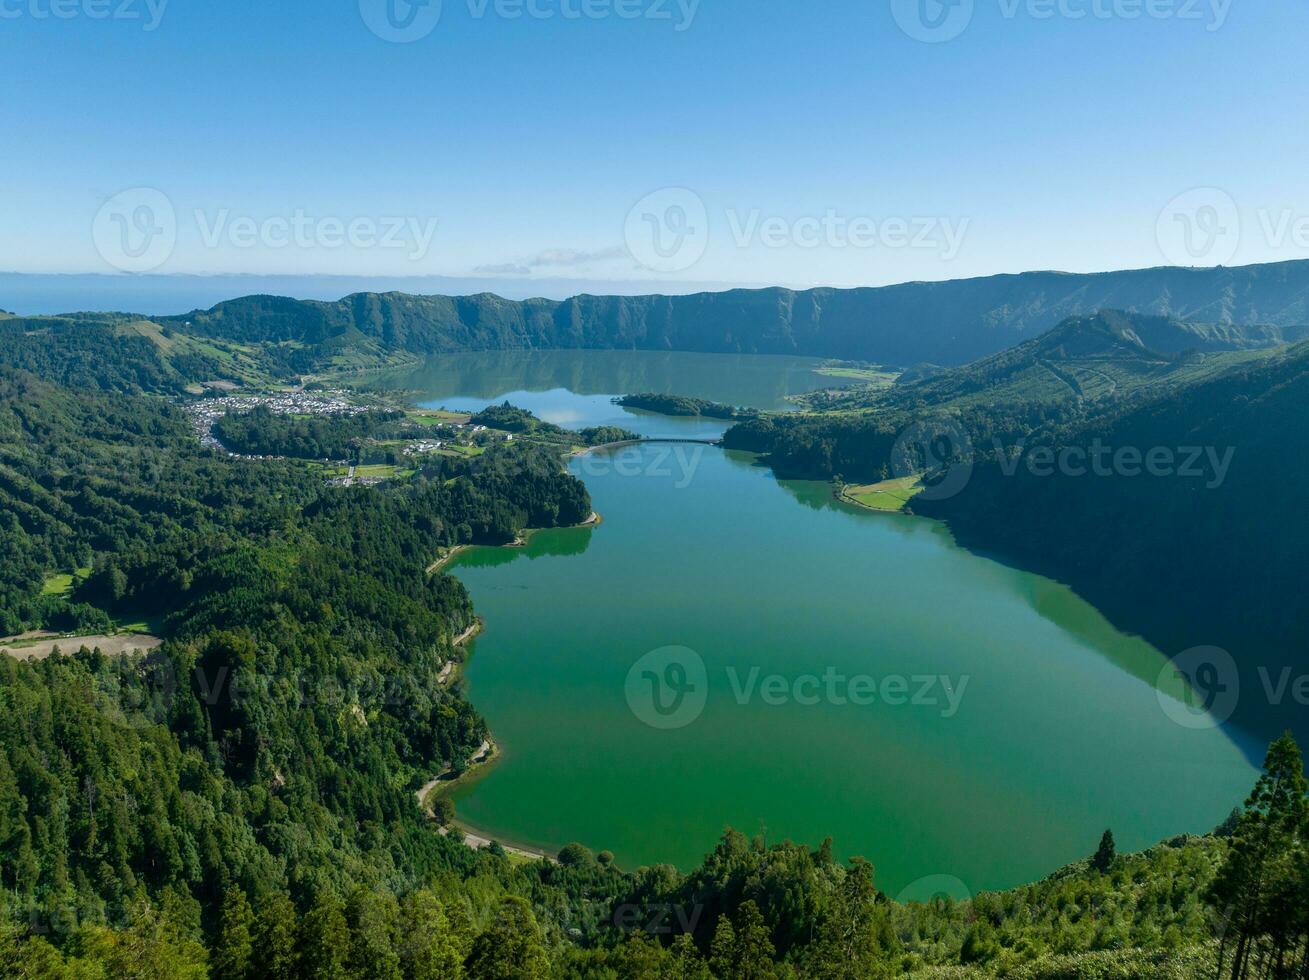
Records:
x=743, y=951
x=1104, y=857
x=274, y=946
x=1252, y=887
x=754, y=943
x=371, y=918
x=323, y=941
x=722, y=951
x=233, y=946
x=511, y=948
x=427, y=945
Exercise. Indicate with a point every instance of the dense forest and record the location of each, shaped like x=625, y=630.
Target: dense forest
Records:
x=1230, y=424
x=240, y=802
x=1199, y=555
x=261, y=432
x=681, y=405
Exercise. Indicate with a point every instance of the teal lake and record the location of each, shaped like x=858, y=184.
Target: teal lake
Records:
x=962, y=724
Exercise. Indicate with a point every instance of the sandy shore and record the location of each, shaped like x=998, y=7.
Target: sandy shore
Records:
x=474, y=838
x=479, y=841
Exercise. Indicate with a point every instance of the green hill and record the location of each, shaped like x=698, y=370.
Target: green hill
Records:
x=1184, y=561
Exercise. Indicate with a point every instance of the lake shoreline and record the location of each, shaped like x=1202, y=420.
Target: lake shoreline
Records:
x=488, y=753
x=521, y=541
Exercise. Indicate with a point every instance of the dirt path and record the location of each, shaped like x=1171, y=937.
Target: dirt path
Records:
x=447, y=558
x=38, y=646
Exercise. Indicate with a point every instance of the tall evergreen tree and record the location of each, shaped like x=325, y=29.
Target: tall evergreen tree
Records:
x=1104, y=856
x=511, y=948
x=1257, y=878
x=234, y=944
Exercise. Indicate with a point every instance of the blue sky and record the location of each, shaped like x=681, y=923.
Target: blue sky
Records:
x=769, y=141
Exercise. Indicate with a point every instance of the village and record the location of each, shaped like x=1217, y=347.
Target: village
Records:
x=452, y=434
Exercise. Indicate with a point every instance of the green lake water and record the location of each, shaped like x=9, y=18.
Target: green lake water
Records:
x=576, y=388
x=804, y=634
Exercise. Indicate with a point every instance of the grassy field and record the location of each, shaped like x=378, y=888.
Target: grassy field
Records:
x=458, y=450
x=381, y=471
x=62, y=584
x=877, y=377
x=434, y=416
x=889, y=496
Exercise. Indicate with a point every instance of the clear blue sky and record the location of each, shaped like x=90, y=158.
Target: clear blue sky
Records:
x=1038, y=142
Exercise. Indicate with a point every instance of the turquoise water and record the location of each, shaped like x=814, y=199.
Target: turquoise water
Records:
x=1008, y=724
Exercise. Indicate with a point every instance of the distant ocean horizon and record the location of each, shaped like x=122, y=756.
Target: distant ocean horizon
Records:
x=36, y=294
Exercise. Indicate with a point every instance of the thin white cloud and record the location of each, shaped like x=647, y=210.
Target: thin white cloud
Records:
x=554, y=258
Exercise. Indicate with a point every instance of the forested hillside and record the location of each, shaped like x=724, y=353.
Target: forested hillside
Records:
x=947, y=323
x=1186, y=561
x=240, y=802
x=1083, y=368
x=1194, y=556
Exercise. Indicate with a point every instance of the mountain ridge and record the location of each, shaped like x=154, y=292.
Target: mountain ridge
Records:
x=947, y=323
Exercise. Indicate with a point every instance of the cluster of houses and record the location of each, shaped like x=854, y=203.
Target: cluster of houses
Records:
x=206, y=412
x=426, y=446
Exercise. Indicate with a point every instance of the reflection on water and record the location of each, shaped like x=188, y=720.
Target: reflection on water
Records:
x=1058, y=733
x=747, y=380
